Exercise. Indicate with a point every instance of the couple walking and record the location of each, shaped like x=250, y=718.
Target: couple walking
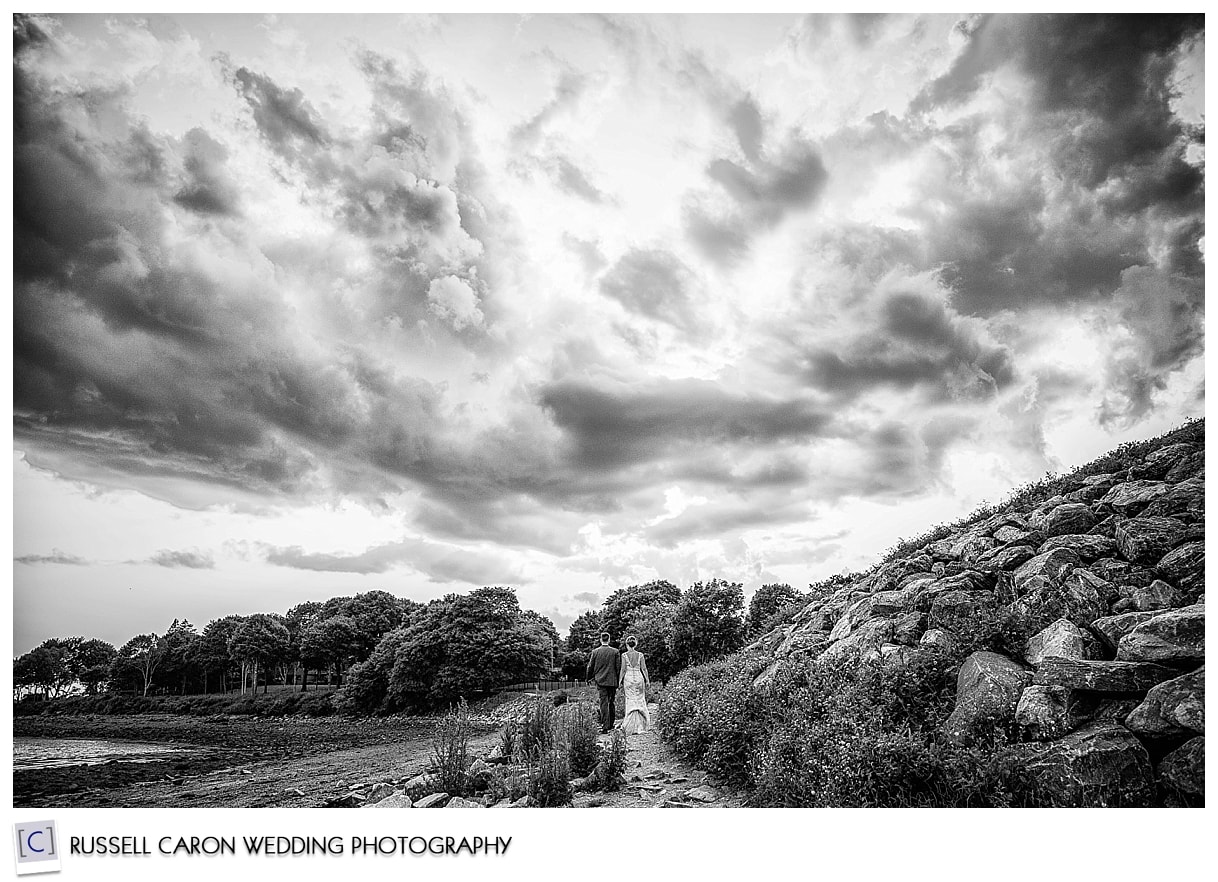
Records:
x=611, y=669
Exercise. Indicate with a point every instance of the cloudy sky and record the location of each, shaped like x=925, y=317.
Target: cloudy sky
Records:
x=310, y=306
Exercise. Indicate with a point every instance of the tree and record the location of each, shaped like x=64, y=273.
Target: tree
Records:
x=182, y=664
x=621, y=604
x=329, y=641
x=652, y=626
x=584, y=635
x=459, y=645
x=768, y=600
x=92, y=663
x=213, y=648
x=297, y=619
x=545, y=634
x=139, y=659
x=41, y=668
x=708, y=622
x=257, y=643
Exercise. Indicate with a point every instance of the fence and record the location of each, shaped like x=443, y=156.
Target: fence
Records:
x=543, y=685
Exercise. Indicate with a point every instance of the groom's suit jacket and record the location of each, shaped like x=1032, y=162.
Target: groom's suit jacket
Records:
x=604, y=666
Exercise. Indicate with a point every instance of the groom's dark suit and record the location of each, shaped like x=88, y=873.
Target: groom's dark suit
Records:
x=604, y=669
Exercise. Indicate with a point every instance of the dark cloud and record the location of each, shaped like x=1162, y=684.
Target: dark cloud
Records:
x=284, y=118
x=438, y=562
x=587, y=597
x=613, y=427
x=55, y=557
x=589, y=253
x=194, y=560
x=1163, y=320
x=569, y=178
x=911, y=340
x=208, y=189
x=654, y=283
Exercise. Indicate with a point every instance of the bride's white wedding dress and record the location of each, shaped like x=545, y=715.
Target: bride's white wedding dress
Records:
x=638, y=718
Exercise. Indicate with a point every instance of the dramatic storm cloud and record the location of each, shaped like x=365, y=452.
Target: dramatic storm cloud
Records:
x=308, y=306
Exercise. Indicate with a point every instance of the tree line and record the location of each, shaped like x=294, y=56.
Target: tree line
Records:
x=390, y=654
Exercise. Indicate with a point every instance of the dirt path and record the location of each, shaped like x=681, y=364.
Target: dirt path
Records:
x=655, y=778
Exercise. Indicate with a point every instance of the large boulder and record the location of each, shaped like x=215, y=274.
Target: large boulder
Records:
x=1192, y=466
x=1176, y=636
x=1062, y=639
x=1071, y=517
x=1158, y=595
x=988, y=688
x=908, y=628
x=1087, y=546
x=1008, y=557
x=1052, y=566
x=1133, y=496
x=802, y=641
x=1182, y=772
x=1184, y=567
x=1112, y=628
x=432, y=800
x=864, y=642
x=1101, y=676
x=1146, y=540
x=1043, y=712
x=1121, y=572
x=1158, y=463
x=1185, y=501
x=1078, y=599
x=956, y=611
x=1175, y=707
x=937, y=640
x=394, y=800
x=1010, y=535
x=1100, y=765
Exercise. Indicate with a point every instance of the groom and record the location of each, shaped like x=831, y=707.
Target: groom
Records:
x=604, y=668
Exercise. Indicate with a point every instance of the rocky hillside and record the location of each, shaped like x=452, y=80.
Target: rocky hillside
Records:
x=1081, y=618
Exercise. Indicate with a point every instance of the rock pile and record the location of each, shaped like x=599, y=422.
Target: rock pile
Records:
x=1103, y=588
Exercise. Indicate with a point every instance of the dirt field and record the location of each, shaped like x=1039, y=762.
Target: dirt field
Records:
x=242, y=761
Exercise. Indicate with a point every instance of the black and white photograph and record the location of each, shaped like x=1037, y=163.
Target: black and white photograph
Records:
x=607, y=411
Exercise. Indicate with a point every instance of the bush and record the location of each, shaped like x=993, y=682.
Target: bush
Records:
x=549, y=774
x=841, y=735
x=450, y=751
x=560, y=697
x=580, y=732
x=612, y=769
x=537, y=728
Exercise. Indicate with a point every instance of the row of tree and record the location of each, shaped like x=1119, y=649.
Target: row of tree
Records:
x=391, y=654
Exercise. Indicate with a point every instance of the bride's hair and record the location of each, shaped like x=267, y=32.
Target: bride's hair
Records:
x=631, y=642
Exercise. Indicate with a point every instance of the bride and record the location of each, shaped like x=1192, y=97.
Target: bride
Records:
x=635, y=678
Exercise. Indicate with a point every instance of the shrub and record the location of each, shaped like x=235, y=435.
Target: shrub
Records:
x=450, y=751
x=508, y=738
x=560, y=697
x=612, y=769
x=549, y=776
x=537, y=727
x=580, y=732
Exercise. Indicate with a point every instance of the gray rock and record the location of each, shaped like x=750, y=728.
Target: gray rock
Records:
x=702, y=794
x=863, y=642
x=802, y=642
x=937, y=639
x=1146, y=540
x=1016, y=536
x=1087, y=546
x=1183, y=771
x=1192, y=466
x=1078, y=600
x=1175, y=707
x=1101, y=676
x=1043, y=712
x=955, y=610
x=1121, y=572
x=523, y=802
x=908, y=628
x=969, y=580
x=1133, y=496
x=1158, y=595
x=1184, y=567
x=380, y=791
x=1112, y=628
x=1072, y=517
x=433, y=800
x=420, y=785
x=988, y=688
x=459, y=802
x=885, y=604
x=1052, y=566
x=1062, y=639
x=1101, y=765
x=1185, y=501
x=766, y=677
x=1008, y=558
x=393, y=800
x=1175, y=636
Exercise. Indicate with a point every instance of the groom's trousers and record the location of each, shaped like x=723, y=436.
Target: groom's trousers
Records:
x=608, y=694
